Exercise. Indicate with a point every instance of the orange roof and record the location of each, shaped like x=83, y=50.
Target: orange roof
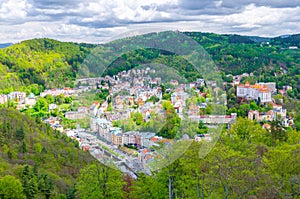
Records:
x=267, y=126
x=247, y=84
x=256, y=86
x=264, y=90
x=273, y=104
x=144, y=151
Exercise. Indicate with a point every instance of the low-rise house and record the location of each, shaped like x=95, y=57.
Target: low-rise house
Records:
x=193, y=110
x=276, y=113
x=267, y=126
x=30, y=100
x=118, y=102
x=17, y=96
x=52, y=107
x=201, y=137
x=192, y=85
x=179, y=97
x=145, y=138
x=51, y=120
x=21, y=106
x=58, y=127
x=286, y=88
x=200, y=82
x=3, y=99
x=56, y=92
x=215, y=119
x=74, y=115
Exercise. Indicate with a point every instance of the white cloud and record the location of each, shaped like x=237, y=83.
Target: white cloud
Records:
x=11, y=11
x=97, y=20
x=254, y=16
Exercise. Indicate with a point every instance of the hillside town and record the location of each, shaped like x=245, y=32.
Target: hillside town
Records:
x=139, y=91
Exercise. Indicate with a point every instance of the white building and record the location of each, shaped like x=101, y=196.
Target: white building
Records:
x=3, y=99
x=130, y=137
x=18, y=96
x=254, y=92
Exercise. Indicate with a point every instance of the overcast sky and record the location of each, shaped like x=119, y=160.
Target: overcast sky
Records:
x=97, y=21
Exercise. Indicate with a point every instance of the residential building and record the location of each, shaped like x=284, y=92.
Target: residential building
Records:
x=3, y=99
x=74, y=115
x=276, y=113
x=103, y=127
x=17, y=96
x=145, y=139
x=56, y=92
x=201, y=137
x=116, y=136
x=30, y=101
x=94, y=108
x=215, y=119
x=52, y=107
x=130, y=138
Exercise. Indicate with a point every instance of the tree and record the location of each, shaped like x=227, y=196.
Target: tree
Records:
x=278, y=132
x=41, y=105
x=59, y=99
x=283, y=165
x=253, y=106
x=202, y=128
x=172, y=121
x=11, y=187
x=248, y=130
x=243, y=110
x=137, y=118
x=49, y=98
x=98, y=181
x=20, y=133
x=29, y=182
x=68, y=100
x=45, y=185
x=23, y=148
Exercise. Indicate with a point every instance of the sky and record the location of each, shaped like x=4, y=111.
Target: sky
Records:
x=98, y=21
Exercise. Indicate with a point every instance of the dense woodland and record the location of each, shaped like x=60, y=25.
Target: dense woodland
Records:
x=247, y=161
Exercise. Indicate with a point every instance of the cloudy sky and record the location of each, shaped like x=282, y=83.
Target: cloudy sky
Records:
x=97, y=21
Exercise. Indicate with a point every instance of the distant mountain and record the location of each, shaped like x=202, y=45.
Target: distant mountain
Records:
x=4, y=45
x=50, y=63
x=259, y=39
x=287, y=40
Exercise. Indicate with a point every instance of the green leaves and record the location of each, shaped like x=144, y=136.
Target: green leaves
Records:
x=96, y=182
x=11, y=187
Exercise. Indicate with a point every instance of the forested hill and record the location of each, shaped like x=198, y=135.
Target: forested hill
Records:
x=46, y=162
x=46, y=62
x=50, y=63
x=4, y=45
